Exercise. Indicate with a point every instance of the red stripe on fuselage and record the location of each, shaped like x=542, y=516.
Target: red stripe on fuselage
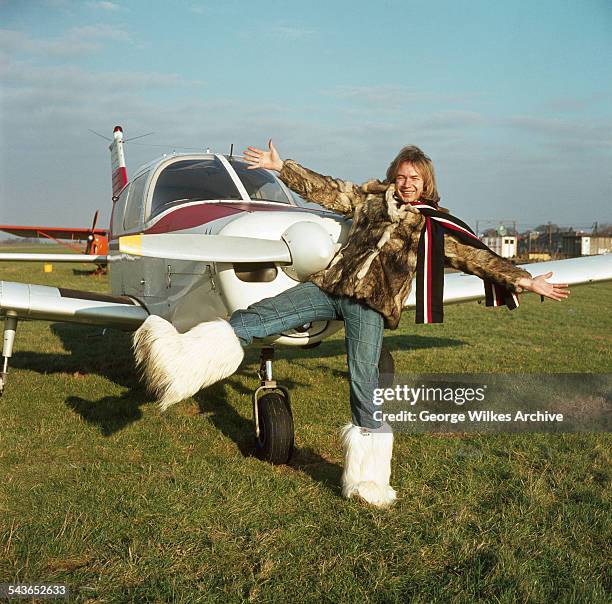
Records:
x=119, y=179
x=192, y=216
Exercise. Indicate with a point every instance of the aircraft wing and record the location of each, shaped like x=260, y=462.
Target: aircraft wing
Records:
x=19, y=257
x=77, y=234
x=459, y=287
x=27, y=301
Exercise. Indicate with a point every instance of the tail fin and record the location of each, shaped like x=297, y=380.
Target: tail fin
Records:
x=119, y=173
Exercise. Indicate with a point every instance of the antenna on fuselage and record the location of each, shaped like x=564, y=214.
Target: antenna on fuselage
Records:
x=100, y=135
x=231, y=152
x=127, y=140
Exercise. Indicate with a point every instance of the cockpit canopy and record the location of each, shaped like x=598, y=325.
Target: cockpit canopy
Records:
x=208, y=179
x=184, y=179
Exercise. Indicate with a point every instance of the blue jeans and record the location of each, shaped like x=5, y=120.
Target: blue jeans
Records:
x=306, y=303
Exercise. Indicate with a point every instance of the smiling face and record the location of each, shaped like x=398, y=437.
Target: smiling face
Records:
x=408, y=182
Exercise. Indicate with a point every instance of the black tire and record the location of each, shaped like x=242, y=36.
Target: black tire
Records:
x=275, y=442
x=386, y=368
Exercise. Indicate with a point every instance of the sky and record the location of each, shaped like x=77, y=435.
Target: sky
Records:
x=511, y=99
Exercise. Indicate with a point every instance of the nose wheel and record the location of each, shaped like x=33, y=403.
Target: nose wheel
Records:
x=274, y=431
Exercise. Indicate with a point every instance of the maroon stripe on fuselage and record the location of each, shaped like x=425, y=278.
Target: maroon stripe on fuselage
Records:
x=262, y=207
x=192, y=216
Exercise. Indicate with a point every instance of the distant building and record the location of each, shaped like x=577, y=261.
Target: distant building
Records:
x=547, y=239
x=539, y=256
x=576, y=244
x=504, y=246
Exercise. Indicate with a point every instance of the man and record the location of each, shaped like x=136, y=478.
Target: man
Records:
x=365, y=285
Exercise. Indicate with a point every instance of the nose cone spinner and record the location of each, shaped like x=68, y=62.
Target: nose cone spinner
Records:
x=312, y=249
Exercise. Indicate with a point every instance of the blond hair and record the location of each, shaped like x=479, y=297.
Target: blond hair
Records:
x=423, y=165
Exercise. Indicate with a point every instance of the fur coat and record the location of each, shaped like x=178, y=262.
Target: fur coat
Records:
x=378, y=261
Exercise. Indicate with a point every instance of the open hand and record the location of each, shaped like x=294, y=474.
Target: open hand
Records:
x=257, y=158
x=540, y=285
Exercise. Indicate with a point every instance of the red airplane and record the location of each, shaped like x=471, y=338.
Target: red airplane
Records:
x=97, y=239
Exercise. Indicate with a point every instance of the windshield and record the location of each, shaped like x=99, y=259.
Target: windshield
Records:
x=191, y=180
x=259, y=184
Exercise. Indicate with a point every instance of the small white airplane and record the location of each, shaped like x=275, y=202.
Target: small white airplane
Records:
x=194, y=237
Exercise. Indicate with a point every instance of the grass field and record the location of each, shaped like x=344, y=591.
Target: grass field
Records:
x=102, y=492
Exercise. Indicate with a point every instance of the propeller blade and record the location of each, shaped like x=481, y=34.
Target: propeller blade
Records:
x=205, y=248
x=91, y=236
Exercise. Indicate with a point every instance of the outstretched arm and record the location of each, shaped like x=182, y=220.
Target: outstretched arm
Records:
x=487, y=265
x=484, y=263
x=334, y=194
x=257, y=158
x=540, y=285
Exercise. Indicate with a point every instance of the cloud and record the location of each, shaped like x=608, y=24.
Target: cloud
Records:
x=215, y=9
x=376, y=92
x=566, y=131
x=45, y=116
x=453, y=119
x=108, y=6
x=24, y=78
x=74, y=42
x=14, y=40
x=395, y=98
x=47, y=112
x=576, y=104
x=99, y=31
x=287, y=32
x=41, y=106
x=199, y=10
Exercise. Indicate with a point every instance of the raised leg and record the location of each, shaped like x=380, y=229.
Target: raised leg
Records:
x=302, y=304
x=175, y=366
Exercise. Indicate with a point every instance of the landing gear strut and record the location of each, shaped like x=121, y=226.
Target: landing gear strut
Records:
x=10, y=327
x=272, y=415
x=274, y=433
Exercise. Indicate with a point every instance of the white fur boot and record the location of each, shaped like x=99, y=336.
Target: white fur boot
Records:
x=367, y=465
x=176, y=365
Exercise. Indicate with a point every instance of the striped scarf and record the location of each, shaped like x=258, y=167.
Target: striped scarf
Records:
x=430, y=265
